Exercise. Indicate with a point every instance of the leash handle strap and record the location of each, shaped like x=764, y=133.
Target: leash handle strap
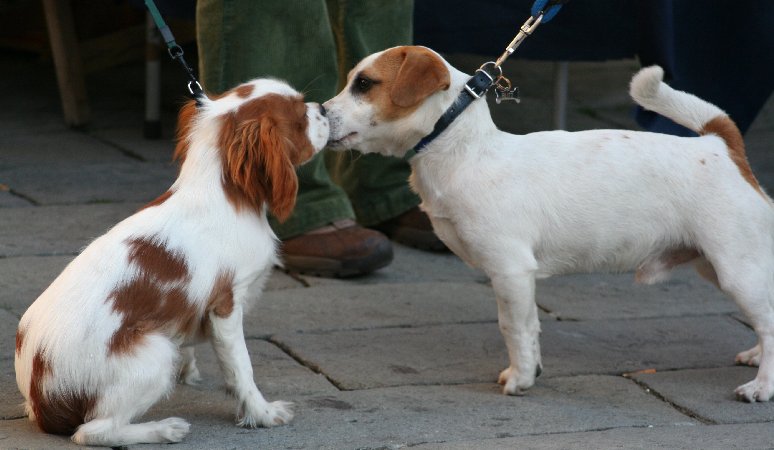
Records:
x=166, y=33
x=548, y=8
x=176, y=52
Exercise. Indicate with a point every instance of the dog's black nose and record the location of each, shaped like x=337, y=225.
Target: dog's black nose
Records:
x=323, y=112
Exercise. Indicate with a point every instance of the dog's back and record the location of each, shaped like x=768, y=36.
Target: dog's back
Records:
x=649, y=91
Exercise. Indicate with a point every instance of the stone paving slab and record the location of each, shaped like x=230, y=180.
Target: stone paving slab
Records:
x=131, y=139
x=278, y=376
x=51, y=184
x=707, y=437
x=601, y=296
x=47, y=148
x=709, y=393
x=25, y=278
x=57, y=230
x=340, y=307
x=476, y=352
x=10, y=398
x=393, y=418
x=9, y=200
x=8, y=324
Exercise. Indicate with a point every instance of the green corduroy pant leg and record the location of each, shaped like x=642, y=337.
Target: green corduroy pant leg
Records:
x=311, y=44
x=377, y=186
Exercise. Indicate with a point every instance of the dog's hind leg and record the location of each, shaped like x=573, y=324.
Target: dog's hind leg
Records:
x=142, y=379
x=189, y=373
x=751, y=357
x=750, y=284
x=518, y=320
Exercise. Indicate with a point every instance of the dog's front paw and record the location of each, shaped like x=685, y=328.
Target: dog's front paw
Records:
x=755, y=391
x=750, y=357
x=267, y=415
x=515, y=383
x=173, y=429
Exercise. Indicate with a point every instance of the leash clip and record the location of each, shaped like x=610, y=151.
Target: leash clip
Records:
x=195, y=88
x=525, y=31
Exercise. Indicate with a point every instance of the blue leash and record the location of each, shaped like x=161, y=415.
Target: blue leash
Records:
x=491, y=73
x=176, y=52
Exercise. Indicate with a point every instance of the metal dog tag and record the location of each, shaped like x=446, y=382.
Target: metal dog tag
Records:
x=502, y=95
x=504, y=91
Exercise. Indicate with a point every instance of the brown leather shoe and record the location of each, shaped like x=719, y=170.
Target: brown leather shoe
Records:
x=342, y=249
x=412, y=228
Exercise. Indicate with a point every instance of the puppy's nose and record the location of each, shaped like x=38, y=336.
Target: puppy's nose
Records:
x=323, y=112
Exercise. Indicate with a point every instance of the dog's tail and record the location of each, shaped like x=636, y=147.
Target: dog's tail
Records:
x=650, y=92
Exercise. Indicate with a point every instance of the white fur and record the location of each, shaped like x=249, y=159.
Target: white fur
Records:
x=522, y=207
x=72, y=321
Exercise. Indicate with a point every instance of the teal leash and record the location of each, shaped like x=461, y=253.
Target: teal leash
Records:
x=176, y=52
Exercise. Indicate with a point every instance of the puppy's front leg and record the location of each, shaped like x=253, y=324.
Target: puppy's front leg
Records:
x=518, y=319
x=229, y=344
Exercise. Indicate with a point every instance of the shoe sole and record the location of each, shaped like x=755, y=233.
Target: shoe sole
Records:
x=332, y=268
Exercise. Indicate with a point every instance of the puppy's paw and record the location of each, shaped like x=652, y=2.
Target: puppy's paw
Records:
x=751, y=357
x=173, y=429
x=267, y=415
x=190, y=376
x=189, y=373
x=755, y=391
x=515, y=383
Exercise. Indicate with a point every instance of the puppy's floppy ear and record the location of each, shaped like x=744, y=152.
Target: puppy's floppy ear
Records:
x=421, y=74
x=258, y=165
x=278, y=169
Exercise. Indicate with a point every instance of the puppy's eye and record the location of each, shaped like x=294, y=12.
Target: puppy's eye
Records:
x=362, y=84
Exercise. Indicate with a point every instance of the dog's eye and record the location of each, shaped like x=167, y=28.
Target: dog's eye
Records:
x=362, y=84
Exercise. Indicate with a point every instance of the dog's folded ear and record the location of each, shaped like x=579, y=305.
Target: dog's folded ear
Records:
x=257, y=168
x=421, y=74
x=278, y=171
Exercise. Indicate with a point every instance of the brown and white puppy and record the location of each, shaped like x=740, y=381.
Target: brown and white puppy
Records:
x=102, y=344
x=549, y=203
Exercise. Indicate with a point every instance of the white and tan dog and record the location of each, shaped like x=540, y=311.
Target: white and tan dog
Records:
x=548, y=203
x=101, y=345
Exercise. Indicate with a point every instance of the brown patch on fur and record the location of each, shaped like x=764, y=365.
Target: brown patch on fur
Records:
x=147, y=307
x=159, y=200
x=19, y=340
x=675, y=257
x=707, y=271
x=668, y=260
x=185, y=120
x=154, y=259
x=404, y=77
x=221, y=301
x=244, y=90
x=155, y=300
x=260, y=144
x=725, y=128
x=703, y=162
x=56, y=412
